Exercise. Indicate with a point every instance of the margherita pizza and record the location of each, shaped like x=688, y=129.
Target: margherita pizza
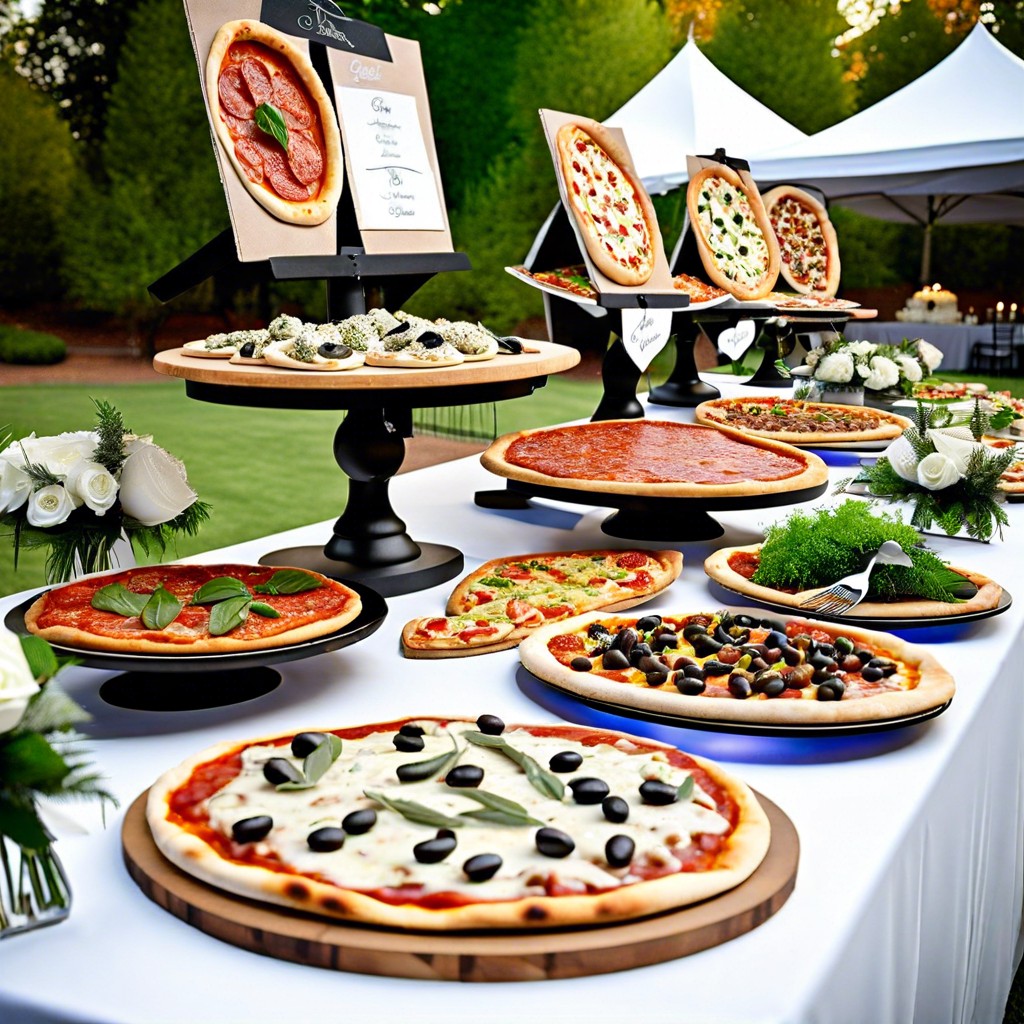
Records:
x=658, y=458
x=613, y=211
x=275, y=121
x=738, y=667
x=446, y=824
x=505, y=599
x=804, y=423
x=734, y=237
x=808, y=247
x=193, y=609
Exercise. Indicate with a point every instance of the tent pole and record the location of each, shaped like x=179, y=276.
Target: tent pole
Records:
x=926, y=254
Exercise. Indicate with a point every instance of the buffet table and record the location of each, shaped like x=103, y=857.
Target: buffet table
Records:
x=908, y=897
x=954, y=341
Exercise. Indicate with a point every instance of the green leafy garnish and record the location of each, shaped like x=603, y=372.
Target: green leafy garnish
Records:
x=270, y=120
x=543, y=781
x=117, y=598
x=417, y=771
x=316, y=763
x=288, y=581
x=161, y=609
x=228, y=614
x=220, y=589
x=496, y=581
x=497, y=810
x=412, y=811
x=265, y=610
x=685, y=790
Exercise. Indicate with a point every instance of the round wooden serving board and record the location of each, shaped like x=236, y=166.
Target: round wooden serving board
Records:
x=468, y=956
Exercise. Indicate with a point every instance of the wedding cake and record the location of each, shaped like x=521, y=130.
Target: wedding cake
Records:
x=934, y=305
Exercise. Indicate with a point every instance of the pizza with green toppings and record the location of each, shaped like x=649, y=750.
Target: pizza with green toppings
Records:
x=734, y=236
x=505, y=599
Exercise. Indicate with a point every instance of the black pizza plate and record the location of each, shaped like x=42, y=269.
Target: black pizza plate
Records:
x=368, y=621
x=943, y=622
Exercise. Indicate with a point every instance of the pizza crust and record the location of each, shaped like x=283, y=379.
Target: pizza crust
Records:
x=747, y=846
x=988, y=595
x=935, y=686
x=198, y=348
x=890, y=427
x=610, y=267
x=828, y=232
x=321, y=207
x=275, y=355
x=407, y=361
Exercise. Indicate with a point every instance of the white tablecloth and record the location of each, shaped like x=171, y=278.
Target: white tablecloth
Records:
x=953, y=340
x=907, y=904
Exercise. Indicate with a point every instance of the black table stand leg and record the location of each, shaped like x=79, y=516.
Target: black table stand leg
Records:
x=684, y=388
x=620, y=376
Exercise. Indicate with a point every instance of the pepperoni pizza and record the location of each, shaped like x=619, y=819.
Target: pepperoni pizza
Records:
x=809, y=249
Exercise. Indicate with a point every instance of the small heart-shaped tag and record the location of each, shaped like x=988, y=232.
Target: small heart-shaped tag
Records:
x=734, y=341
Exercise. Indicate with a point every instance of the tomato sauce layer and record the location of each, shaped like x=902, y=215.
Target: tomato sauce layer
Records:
x=650, y=453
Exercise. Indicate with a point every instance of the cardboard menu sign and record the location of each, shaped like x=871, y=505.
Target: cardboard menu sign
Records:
x=400, y=207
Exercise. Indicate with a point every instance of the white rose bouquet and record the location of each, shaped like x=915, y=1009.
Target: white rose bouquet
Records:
x=874, y=367
x=78, y=493
x=40, y=756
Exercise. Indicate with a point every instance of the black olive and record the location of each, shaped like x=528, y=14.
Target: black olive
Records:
x=430, y=339
x=864, y=656
x=248, y=350
x=355, y=823
x=716, y=668
x=884, y=665
x=581, y=664
x=587, y=790
x=334, y=350
x=306, y=742
x=776, y=638
x=773, y=626
x=400, y=329
x=431, y=851
x=638, y=652
x=279, y=769
x=657, y=677
x=827, y=692
x=649, y=663
x=618, y=851
x=693, y=672
x=614, y=660
x=565, y=761
x=252, y=830
x=827, y=649
x=625, y=640
x=760, y=682
x=739, y=686
x=326, y=839
x=822, y=675
x=775, y=687
x=615, y=809
x=871, y=674
x=792, y=656
x=554, y=843
x=692, y=631
x=745, y=621
x=648, y=623
x=705, y=646
x=599, y=631
x=663, y=641
x=407, y=744
x=654, y=791
x=464, y=776
x=411, y=729
x=758, y=664
x=819, y=659
x=688, y=685
x=490, y=725
x=482, y=866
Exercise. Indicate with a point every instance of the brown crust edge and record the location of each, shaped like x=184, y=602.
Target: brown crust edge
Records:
x=770, y=198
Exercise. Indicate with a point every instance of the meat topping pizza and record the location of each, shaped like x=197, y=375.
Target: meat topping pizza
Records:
x=698, y=290
x=808, y=247
x=440, y=824
x=193, y=609
x=739, y=667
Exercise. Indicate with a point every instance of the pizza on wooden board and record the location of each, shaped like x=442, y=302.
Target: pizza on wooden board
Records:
x=444, y=824
x=193, y=609
x=658, y=458
x=276, y=123
x=505, y=599
x=808, y=247
x=734, y=236
x=738, y=666
x=803, y=423
x=612, y=209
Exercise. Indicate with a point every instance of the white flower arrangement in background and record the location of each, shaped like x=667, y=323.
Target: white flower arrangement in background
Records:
x=80, y=492
x=874, y=367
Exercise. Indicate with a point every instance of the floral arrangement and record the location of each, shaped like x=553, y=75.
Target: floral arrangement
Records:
x=40, y=756
x=874, y=367
x=948, y=474
x=79, y=493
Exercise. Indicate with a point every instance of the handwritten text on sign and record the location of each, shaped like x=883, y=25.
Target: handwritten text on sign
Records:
x=645, y=333
x=393, y=182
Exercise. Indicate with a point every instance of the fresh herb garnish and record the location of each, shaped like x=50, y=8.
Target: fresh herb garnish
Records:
x=270, y=120
x=496, y=581
x=417, y=771
x=227, y=614
x=685, y=790
x=220, y=589
x=316, y=763
x=288, y=581
x=415, y=812
x=117, y=598
x=543, y=781
x=265, y=610
x=497, y=810
x=161, y=609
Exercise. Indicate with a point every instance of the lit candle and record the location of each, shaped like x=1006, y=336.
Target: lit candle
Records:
x=999, y=311
x=1013, y=310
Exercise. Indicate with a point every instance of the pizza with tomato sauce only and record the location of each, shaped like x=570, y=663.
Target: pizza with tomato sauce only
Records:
x=193, y=609
x=505, y=599
x=612, y=210
x=738, y=667
x=802, y=423
x=653, y=457
x=443, y=824
x=808, y=247
x=275, y=122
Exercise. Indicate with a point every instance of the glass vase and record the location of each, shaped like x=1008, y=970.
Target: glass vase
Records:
x=34, y=891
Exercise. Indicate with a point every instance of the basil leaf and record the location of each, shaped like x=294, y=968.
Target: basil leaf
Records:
x=417, y=771
x=226, y=615
x=220, y=589
x=685, y=790
x=117, y=598
x=42, y=661
x=265, y=610
x=418, y=813
x=316, y=763
x=270, y=120
x=288, y=581
x=161, y=609
x=499, y=809
x=543, y=781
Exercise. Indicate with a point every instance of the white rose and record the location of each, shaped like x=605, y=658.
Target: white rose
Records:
x=937, y=472
x=813, y=357
x=154, y=487
x=92, y=483
x=884, y=374
x=957, y=444
x=859, y=348
x=902, y=459
x=930, y=355
x=836, y=368
x=62, y=452
x=15, y=483
x=49, y=506
x=910, y=366
x=16, y=682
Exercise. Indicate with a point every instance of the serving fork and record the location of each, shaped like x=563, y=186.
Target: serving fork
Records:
x=848, y=592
